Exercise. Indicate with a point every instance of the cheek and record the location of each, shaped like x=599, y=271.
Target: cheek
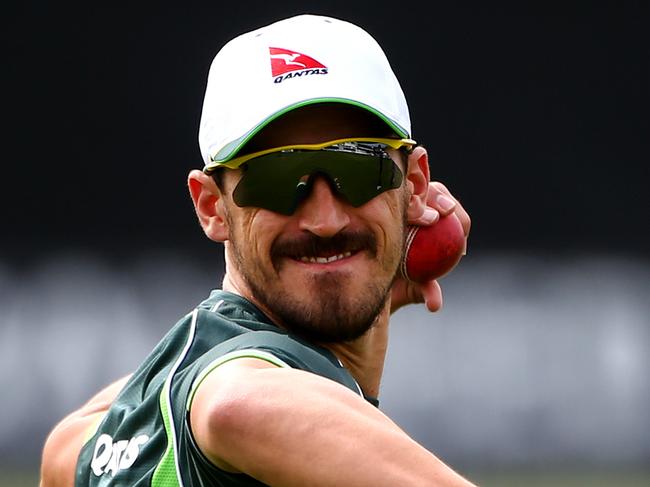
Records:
x=256, y=229
x=389, y=207
x=241, y=223
x=387, y=212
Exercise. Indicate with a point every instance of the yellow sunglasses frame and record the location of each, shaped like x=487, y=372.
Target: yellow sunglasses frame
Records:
x=238, y=161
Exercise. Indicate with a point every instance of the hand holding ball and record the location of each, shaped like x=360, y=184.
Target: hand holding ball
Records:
x=432, y=251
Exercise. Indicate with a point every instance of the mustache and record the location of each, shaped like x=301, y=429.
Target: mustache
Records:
x=310, y=245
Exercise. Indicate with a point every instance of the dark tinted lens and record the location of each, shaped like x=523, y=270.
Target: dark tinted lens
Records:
x=273, y=182
x=281, y=180
x=362, y=181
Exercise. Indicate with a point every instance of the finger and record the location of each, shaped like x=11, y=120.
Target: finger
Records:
x=432, y=294
x=441, y=199
x=437, y=189
x=464, y=218
x=429, y=214
x=429, y=217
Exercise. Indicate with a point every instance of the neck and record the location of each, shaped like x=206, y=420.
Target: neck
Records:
x=363, y=357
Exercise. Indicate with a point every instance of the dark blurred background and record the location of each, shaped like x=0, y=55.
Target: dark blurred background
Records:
x=536, y=117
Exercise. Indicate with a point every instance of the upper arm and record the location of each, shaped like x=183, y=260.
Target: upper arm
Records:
x=62, y=447
x=245, y=411
x=289, y=427
x=212, y=401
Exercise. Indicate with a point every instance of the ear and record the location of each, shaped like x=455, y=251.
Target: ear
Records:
x=209, y=205
x=417, y=183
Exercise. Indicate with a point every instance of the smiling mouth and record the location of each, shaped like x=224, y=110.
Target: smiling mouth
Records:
x=309, y=249
x=324, y=260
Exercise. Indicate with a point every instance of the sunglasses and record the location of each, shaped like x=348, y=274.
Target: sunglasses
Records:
x=280, y=179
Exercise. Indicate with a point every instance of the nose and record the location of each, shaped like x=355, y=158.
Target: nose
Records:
x=322, y=213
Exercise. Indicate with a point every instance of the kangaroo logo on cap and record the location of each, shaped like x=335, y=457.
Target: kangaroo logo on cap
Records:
x=289, y=64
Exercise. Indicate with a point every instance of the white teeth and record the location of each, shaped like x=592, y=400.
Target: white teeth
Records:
x=325, y=260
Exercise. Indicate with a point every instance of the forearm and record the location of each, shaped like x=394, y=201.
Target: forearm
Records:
x=291, y=428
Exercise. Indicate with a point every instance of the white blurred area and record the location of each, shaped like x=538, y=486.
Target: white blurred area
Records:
x=533, y=362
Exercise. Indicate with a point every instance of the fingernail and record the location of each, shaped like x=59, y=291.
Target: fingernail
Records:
x=447, y=204
x=430, y=216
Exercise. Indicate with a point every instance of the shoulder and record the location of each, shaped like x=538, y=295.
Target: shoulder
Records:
x=227, y=326
x=282, y=350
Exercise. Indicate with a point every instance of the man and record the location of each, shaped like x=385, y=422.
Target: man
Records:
x=310, y=178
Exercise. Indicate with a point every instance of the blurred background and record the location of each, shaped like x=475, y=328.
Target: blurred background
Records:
x=535, y=116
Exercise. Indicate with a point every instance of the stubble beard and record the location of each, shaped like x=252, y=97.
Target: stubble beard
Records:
x=332, y=313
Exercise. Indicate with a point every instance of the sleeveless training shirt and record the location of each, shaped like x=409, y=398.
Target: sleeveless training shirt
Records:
x=145, y=438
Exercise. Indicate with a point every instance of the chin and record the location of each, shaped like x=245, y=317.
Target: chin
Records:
x=332, y=311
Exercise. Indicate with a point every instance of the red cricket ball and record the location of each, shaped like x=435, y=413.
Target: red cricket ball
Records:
x=432, y=251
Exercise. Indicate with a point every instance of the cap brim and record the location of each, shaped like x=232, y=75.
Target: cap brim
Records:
x=231, y=149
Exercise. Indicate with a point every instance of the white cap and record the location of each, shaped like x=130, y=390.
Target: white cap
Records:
x=306, y=59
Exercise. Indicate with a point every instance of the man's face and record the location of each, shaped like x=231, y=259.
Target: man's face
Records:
x=325, y=271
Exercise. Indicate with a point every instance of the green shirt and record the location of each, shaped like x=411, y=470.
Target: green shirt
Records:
x=146, y=440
